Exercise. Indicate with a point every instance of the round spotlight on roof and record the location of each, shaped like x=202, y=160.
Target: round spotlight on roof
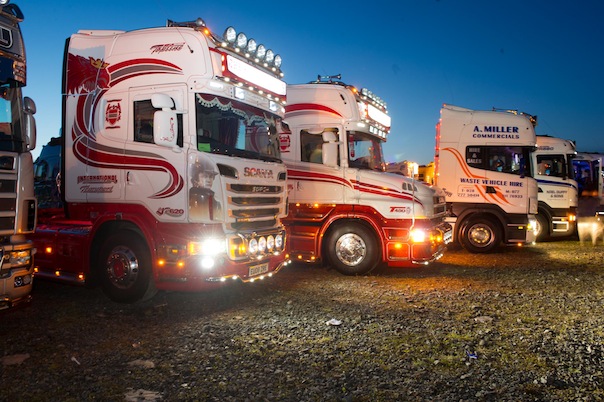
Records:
x=251, y=46
x=270, y=56
x=230, y=35
x=241, y=41
x=260, y=52
x=277, y=61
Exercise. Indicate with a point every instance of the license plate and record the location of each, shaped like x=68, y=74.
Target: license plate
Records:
x=258, y=269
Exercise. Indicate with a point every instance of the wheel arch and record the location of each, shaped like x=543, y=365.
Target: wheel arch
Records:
x=491, y=215
x=335, y=223
x=101, y=234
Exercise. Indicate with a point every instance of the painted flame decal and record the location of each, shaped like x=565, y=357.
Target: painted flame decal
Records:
x=89, y=79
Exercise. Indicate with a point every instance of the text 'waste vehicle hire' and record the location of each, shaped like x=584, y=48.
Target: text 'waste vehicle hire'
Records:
x=17, y=140
x=344, y=208
x=482, y=162
x=170, y=176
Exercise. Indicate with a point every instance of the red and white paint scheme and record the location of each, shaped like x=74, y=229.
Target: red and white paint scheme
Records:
x=344, y=208
x=482, y=162
x=171, y=177
x=17, y=140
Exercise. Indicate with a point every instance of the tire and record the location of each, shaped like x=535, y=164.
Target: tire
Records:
x=480, y=235
x=352, y=249
x=542, y=230
x=125, y=269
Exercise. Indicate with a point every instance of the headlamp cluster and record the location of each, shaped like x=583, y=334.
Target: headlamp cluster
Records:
x=239, y=42
x=265, y=244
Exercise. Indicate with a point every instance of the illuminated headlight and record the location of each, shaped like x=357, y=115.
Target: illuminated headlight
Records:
x=279, y=241
x=253, y=246
x=20, y=258
x=230, y=35
x=262, y=244
x=418, y=235
x=251, y=46
x=270, y=243
x=260, y=52
x=532, y=224
x=270, y=56
x=277, y=62
x=207, y=247
x=241, y=41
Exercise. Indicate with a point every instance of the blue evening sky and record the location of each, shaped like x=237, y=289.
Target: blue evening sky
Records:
x=541, y=57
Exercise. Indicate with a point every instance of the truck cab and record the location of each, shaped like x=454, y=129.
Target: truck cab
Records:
x=558, y=190
x=482, y=162
x=17, y=140
x=344, y=208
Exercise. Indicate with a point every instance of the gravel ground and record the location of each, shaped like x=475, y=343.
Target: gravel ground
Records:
x=521, y=324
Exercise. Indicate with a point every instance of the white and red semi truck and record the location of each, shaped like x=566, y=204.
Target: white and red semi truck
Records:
x=344, y=208
x=170, y=171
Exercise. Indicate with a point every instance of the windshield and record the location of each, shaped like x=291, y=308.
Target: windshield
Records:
x=11, y=138
x=365, y=151
x=233, y=128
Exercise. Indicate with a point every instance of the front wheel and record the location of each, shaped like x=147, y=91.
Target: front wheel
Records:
x=352, y=249
x=480, y=235
x=542, y=229
x=125, y=269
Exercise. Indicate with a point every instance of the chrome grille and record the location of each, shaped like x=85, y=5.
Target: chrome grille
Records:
x=254, y=206
x=8, y=195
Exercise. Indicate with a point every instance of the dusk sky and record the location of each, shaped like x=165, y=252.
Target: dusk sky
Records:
x=541, y=57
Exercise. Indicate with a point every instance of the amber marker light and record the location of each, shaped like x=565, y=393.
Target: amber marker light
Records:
x=48, y=250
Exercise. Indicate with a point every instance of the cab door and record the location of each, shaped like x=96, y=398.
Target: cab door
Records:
x=155, y=175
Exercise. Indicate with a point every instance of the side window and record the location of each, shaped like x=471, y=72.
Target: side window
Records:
x=551, y=165
x=143, y=121
x=474, y=157
x=498, y=159
x=311, y=146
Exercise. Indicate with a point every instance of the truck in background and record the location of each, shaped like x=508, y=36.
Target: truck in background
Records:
x=588, y=172
x=558, y=192
x=170, y=171
x=46, y=175
x=344, y=208
x=482, y=162
x=17, y=140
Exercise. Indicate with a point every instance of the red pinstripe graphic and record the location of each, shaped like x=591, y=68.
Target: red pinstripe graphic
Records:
x=353, y=184
x=297, y=107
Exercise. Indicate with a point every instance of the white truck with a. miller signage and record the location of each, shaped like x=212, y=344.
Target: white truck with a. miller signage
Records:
x=171, y=177
x=558, y=191
x=17, y=140
x=482, y=162
x=344, y=208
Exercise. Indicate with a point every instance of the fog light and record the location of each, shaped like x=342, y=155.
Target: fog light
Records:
x=418, y=235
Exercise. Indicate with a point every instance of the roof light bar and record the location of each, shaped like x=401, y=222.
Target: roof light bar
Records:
x=239, y=41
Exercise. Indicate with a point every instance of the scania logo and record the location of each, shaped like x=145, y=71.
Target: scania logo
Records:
x=170, y=211
x=260, y=173
x=261, y=189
